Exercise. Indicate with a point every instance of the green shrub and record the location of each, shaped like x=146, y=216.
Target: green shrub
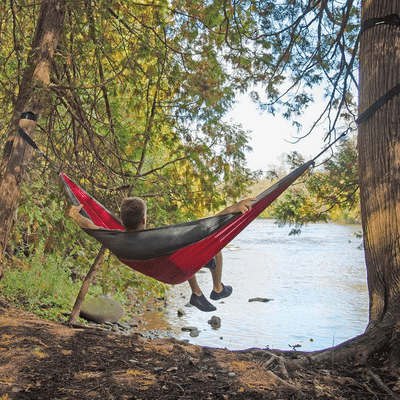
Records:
x=41, y=285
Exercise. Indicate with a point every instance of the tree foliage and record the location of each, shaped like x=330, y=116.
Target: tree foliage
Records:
x=329, y=191
x=135, y=108
x=138, y=93
x=139, y=90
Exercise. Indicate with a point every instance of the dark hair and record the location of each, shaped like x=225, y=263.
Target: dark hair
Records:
x=133, y=210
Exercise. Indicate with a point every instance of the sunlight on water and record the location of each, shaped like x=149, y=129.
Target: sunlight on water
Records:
x=317, y=283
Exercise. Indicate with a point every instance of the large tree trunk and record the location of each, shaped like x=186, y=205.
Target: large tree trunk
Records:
x=32, y=95
x=379, y=171
x=379, y=162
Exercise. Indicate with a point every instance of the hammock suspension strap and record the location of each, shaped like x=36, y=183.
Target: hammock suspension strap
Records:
x=33, y=117
x=394, y=20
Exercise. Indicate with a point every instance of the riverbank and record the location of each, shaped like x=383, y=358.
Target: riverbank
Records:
x=46, y=360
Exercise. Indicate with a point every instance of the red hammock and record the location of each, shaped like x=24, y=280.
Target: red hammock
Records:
x=178, y=261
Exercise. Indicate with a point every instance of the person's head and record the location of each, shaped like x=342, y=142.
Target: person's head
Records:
x=133, y=213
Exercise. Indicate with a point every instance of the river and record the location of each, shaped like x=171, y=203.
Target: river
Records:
x=316, y=283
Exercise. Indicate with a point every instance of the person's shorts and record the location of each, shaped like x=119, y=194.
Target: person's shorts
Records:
x=212, y=264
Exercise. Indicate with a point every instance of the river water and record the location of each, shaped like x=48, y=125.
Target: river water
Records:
x=316, y=283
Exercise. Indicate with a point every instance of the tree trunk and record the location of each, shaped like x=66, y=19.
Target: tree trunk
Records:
x=85, y=286
x=31, y=97
x=379, y=162
x=379, y=172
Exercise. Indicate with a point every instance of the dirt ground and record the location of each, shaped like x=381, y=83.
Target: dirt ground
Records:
x=45, y=360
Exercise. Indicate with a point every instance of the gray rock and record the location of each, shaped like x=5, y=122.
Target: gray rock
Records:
x=102, y=309
x=194, y=333
x=260, y=299
x=188, y=328
x=215, y=322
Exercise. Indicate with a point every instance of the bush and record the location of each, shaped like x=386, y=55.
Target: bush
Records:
x=41, y=285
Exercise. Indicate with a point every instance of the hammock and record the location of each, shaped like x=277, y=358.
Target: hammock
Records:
x=172, y=254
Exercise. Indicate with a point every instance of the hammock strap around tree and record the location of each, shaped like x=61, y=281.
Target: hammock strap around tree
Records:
x=393, y=20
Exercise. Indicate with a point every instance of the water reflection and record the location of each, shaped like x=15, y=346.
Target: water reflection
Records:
x=317, y=282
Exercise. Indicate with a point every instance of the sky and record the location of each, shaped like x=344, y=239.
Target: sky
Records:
x=271, y=136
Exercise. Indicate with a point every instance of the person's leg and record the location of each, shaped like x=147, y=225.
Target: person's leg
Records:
x=197, y=298
x=219, y=289
x=194, y=286
x=216, y=274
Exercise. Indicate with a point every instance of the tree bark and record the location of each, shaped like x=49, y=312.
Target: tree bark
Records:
x=31, y=97
x=379, y=162
x=85, y=286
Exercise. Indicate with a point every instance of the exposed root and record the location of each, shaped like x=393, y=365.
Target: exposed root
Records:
x=356, y=350
x=279, y=362
x=379, y=382
x=283, y=384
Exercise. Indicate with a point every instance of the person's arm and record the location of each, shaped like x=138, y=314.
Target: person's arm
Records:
x=82, y=221
x=240, y=207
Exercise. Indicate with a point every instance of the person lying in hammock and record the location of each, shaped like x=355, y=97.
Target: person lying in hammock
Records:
x=133, y=217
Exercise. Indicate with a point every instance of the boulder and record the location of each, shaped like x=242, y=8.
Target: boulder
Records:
x=102, y=309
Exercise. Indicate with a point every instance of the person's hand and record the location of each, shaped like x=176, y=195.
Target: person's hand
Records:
x=74, y=211
x=82, y=221
x=242, y=206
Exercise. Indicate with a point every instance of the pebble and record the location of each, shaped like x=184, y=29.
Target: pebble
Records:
x=181, y=313
x=194, y=333
x=188, y=328
x=260, y=299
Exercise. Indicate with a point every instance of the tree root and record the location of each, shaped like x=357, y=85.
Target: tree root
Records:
x=279, y=362
x=338, y=365
x=356, y=350
x=283, y=384
x=378, y=382
x=362, y=351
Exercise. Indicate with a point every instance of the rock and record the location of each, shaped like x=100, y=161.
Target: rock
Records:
x=188, y=328
x=123, y=326
x=215, y=322
x=194, y=333
x=261, y=299
x=102, y=309
x=181, y=313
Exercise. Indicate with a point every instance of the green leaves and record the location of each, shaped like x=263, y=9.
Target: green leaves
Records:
x=330, y=192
